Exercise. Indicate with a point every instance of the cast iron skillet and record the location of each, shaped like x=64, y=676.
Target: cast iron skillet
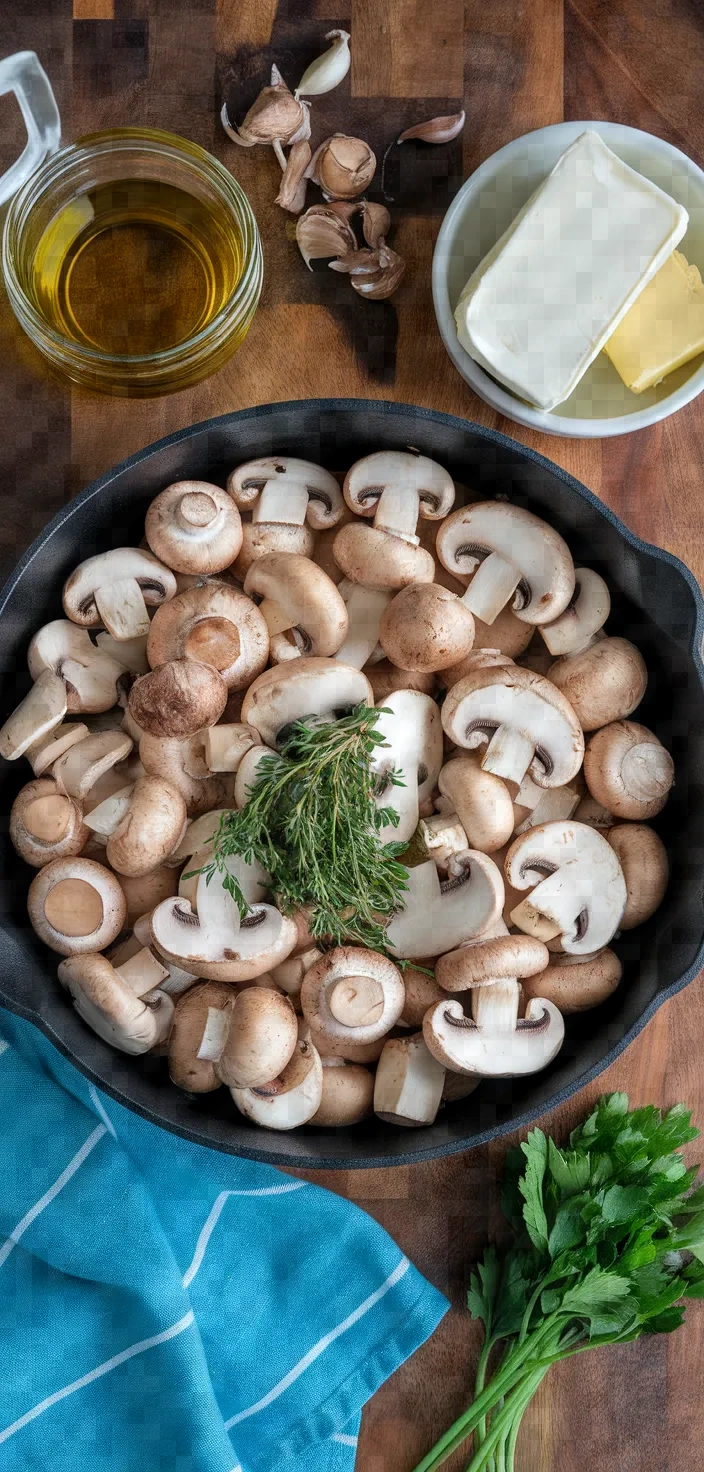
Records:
x=656, y=603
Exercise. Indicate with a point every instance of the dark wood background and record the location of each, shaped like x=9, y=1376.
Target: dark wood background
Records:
x=514, y=65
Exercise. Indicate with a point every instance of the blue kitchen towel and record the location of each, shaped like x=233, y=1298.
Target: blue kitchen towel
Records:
x=167, y=1308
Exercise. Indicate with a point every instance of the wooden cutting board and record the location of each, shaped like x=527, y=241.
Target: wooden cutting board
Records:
x=513, y=65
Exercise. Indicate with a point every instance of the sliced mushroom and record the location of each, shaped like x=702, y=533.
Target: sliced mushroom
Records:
x=580, y=891
x=215, y=624
x=110, y=1007
x=194, y=526
x=451, y=910
x=512, y=554
x=527, y=723
x=303, y=687
x=47, y=750
x=491, y=958
x=115, y=589
x=409, y=1083
x=200, y=834
x=199, y=1031
x=395, y=487
x=178, y=698
x=628, y=770
x=495, y=1043
x=412, y=752
x=261, y=1041
x=226, y=745
x=76, y=905
x=479, y=800
x=643, y=859
x=41, y=711
x=584, y=617
x=138, y=966
x=347, y=1094
x=182, y=762
x=93, y=676
x=130, y=653
x=365, y=607
x=534, y=805
x=144, y=828
x=299, y=601
x=80, y=768
x=604, y=683
x=146, y=891
x=283, y=495
x=252, y=878
x=352, y=994
x=576, y=983
x=46, y=824
x=214, y=943
x=293, y=1097
x=426, y=628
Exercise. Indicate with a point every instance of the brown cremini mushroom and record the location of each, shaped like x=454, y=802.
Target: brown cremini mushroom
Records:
x=513, y=556
x=426, y=628
x=483, y=961
x=182, y=762
x=178, y=698
x=215, y=624
x=628, y=770
x=144, y=892
x=351, y=993
x=148, y=831
x=643, y=859
x=194, y=527
x=527, y=723
x=112, y=1009
x=46, y=824
x=261, y=1040
x=604, y=683
x=289, y=499
x=421, y=992
x=347, y=1094
x=576, y=983
x=384, y=678
x=481, y=802
x=201, y=1023
x=293, y=1096
x=76, y=905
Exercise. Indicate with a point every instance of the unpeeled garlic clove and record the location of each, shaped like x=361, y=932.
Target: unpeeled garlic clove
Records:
x=374, y=274
x=435, y=130
x=376, y=222
x=342, y=166
x=325, y=230
x=328, y=70
x=292, y=194
x=357, y=262
x=275, y=117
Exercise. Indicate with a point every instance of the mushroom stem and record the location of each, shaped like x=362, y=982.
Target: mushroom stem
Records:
x=285, y=503
x=275, y=617
x=534, y=922
x=122, y=609
x=195, y=509
x=397, y=513
x=442, y=836
x=357, y=1001
x=494, y=582
x=217, y=1027
x=142, y=972
x=646, y=771
x=509, y=754
x=108, y=815
x=495, y=1004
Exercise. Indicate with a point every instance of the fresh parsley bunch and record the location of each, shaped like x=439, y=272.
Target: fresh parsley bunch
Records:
x=608, y=1237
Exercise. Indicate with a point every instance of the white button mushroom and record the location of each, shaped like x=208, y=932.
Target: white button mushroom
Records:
x=283, y=494
x=410, y=725
x=115, y=588
x=46, y=824
x=293, y=1097
x=93, y=676
x=604, y=683
x=643, y=858
x=443, y=914
x=261, y=1041
x=577, y=886
x=495, y=1042
x=214, y=943
x=299, y=601
x=576, y=983
x=112, y=1009
x=300, y=688
x=628, y=770
x=526, y=722
x=409, y=1083
x=178, y=698
x=194, y=527
x=199, y=1031
x=352, y=994
x=395, y=487
x=215, y=624
x=76, y=905
x=41, y=711
x=584, y=616
x=512, y=554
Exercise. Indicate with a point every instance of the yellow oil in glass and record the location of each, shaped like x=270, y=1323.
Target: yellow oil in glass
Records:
x=136, y=267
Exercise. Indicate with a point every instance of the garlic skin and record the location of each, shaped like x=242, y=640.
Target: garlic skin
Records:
x=292, y=194
x=324, y=230
x=328, y=70
x=376, y=222
x=276, y=117
x=374, y=274
x=342, y=166
x=435, y=130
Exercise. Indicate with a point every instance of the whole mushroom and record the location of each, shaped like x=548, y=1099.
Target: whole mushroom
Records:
x=576, y=983
x=347, y=1094
x=628, y=770
x=604, y=683
x=46, y=824
x=643, y=859
x=261, y=1040
x=293, y=1097
x=76, y=905
x=200, y=1027
x=213, y=624
x=351, y=994
x=426, y=628
x=178, y=698
x=194, y=527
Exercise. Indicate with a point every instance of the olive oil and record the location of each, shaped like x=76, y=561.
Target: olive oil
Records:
x=136, y=266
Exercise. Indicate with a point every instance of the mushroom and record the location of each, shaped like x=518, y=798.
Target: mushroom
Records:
x=94, y=678
x=248, y=771
x=283, y=495
x=409, y=1083
x=293, y=1097
x=76, y=905
x=576, y=983
x=199, y=1031
x=580, y=891
x=421, y=992
x=347, y=1094
x=178, y=698
x=194, y=527
x=81, y=767
x=449, y=911
x=507, y=634
x=261, y=1041
x=604, y=683
x=323, y=551
x=200, y=834
x=301, y=688
x=534, y=805
x=477, y=659
x=143, y=824
x=115, y=588
x=512, y=554
x=412, y=753
x=252, y=878
x=495, y=1042
x=290, y=974
x=643, y=859
x=226, y=745
x=584, y=617
x=111, y=1008
x=181, y=761
x=458, y=1086
x=593, y=813
x=45, y=824
x=215, y=624
x=145, y=891
x=395, y=487
x=628, y=770
x=365, y=607
x=302, y=609
x=41, y=711
x=491, y=958
x=480, y=802
x=130, y=653
x=351, y=993
x=47, y=750
x=426, y=628
x=384, y=678
x=527, y=723
x=213, y=942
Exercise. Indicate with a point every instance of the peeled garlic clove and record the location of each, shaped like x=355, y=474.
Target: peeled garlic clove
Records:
x=324, y=230
x=342, y=166
x=435, y=130
x=377, y=286
x=376, y=222
x=292, y=194
x=328, y=70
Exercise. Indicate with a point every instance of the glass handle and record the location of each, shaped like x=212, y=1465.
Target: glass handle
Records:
x=24, y=75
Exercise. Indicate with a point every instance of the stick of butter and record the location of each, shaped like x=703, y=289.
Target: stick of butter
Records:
x=545, y=299
x=663, y=329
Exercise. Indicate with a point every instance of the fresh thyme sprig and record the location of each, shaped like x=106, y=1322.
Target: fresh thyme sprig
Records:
x=312, y=821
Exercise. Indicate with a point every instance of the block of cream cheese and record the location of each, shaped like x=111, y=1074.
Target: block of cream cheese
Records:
x=543, y=302
x=663, y=329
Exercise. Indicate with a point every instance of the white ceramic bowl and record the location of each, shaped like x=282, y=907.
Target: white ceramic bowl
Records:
x=601, y=404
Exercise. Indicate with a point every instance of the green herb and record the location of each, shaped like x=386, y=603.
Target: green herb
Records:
x=312, y=821
x=608, y=1237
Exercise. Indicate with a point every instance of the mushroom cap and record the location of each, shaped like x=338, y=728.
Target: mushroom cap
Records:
x=402, y=470
x=477, y=659
x=93, y=676
x=482, y=802
x=384, y=678
x=483, y=961
x=409, y=1082
x=324, y=505
x=156, y=582
x=80, y=769
x=150, y=830
x=586, y=613
x=200, y=834
x=324, y=542
x=471, y=534
x=46, y=824
x=191, y=1064
x=426, y=628
x=215, y=624
x=145, y=891
x=507, y=634
x=446, y=913
x=353, y=993
x=364, y=1053
x=178, y=698
x=306, y=596
x=603, y=683
x=301, y=688
x=76, y=905
x=347, y=1094
x=380, y=560
x=293, y=1097
x=584, y=893
x=643, y=858
x=111, y=1008
x=410, y=725
x=261, y=1041
x=194, y=526
x=181, y=761
x=628, y=770
x=41, y=711
x=421, y=992
x=248, y=772
x=505, y=696
x=462, y=1045
x=260, y=538
x=576, y=983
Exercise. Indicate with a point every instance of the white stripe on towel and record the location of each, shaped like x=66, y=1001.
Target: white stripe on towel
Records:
x=111, y=1364
x=344, y=1439
x=3, y=1046
x=327, y=1339
x=213, y=1216
x=53, y=1191
x=95, y=1096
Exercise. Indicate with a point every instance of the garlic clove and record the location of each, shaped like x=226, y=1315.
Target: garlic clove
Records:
x=376, y=222
x=275, y=117
x=324, y=230
x=342, y=166
x=378, y=285
x=232, y=132
x=292, y=194
x=328, y=70
x=435, y=130
x=357, y=262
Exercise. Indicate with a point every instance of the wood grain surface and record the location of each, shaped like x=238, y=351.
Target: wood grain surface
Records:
x=514, y=65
